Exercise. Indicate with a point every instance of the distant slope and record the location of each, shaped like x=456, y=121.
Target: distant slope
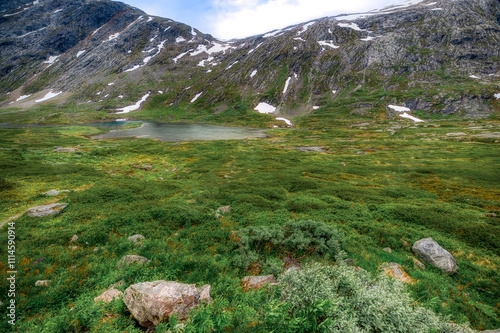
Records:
x=434, y=57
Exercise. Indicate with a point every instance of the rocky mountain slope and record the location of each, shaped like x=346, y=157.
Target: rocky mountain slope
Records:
x=434, y=58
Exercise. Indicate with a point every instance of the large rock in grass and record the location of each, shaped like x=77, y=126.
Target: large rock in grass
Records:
x=46, y=210
x=153, y=302
x=429, y=251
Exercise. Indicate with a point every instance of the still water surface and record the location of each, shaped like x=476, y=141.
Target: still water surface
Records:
x=165, y=131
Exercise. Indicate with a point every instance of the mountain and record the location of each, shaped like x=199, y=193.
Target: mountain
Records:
x=435, y=57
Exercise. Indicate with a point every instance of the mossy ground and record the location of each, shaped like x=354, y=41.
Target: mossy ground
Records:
x=374, y=186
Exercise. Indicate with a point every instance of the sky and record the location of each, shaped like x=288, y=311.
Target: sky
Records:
x=227, y=19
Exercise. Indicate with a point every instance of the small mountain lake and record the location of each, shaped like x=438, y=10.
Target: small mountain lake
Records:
x=176, y=131
x=164, y=131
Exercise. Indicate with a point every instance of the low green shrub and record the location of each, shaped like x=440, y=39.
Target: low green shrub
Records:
x=295, y=238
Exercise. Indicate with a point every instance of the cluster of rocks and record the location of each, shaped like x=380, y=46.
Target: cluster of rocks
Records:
x=428, y=251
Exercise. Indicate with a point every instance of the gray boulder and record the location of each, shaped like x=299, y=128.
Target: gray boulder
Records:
x=153, y=302
x=431, y=252
x=132, y=259
x=46, y=210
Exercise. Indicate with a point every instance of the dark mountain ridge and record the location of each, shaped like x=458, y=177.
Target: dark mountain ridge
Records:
x=434, y=57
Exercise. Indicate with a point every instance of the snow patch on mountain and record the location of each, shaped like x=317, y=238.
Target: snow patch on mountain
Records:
x=196, y=97
x=305, y=27
x=288, y=122
x=51, y=60
x=134, y=107
x=32, y=32
x=48, y=96
x=287, y=83
x=263, y=107
x=328, y=43
x=351, y=25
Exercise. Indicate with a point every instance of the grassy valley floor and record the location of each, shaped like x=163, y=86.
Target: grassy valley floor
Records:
x=381, y=184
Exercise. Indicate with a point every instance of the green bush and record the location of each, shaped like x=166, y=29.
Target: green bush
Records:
x=295, y=238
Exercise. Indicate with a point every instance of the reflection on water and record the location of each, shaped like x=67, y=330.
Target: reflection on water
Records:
x=177, y=132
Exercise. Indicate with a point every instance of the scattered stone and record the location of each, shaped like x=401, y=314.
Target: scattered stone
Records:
x=175, y=144
x=46, y=210
x=290, y=264
x=361, y=153
x=147, y=167
x=405, y=243
x=42, y=283
x=490, y=215
x=120, y=283
x=395, y=270
x=58, y=149
x=160, y=178
x=74, y=239
x=456, y=134
x=136, y=238
x=417, y=263
x=73, y=248
x=175, y=170
x=491, y=331
x=132, y=259
x=205, y=293
x=52, y=192
x=257, y=282
x=431, y=252
x=387, y=249
x=349, y=262
x=492, y=135
x=343, y=163
x=153, y=302
x=96, y=249
x=222, y=210
x=109, y=295
x=310, y=149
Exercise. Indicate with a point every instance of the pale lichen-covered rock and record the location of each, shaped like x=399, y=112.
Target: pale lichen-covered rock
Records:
x=153, y=302
x=74, y=239
x=257, y=282
x=109, y=295
x=132, y=259
x=42, y=283
x=222, y=210
x=136, y=238
x=395, y=270
x=46, y=210
x=431, y=252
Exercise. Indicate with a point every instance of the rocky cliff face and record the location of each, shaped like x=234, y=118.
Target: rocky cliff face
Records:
x=435, y=57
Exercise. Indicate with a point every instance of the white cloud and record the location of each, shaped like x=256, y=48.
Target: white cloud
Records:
x=243, y=18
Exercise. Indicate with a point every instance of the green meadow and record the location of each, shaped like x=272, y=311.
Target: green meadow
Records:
x=382, y=184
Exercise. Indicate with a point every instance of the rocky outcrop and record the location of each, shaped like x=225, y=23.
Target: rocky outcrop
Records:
x=46, y=210
x=257, y=282
x=431, y=252
x=153, y=302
